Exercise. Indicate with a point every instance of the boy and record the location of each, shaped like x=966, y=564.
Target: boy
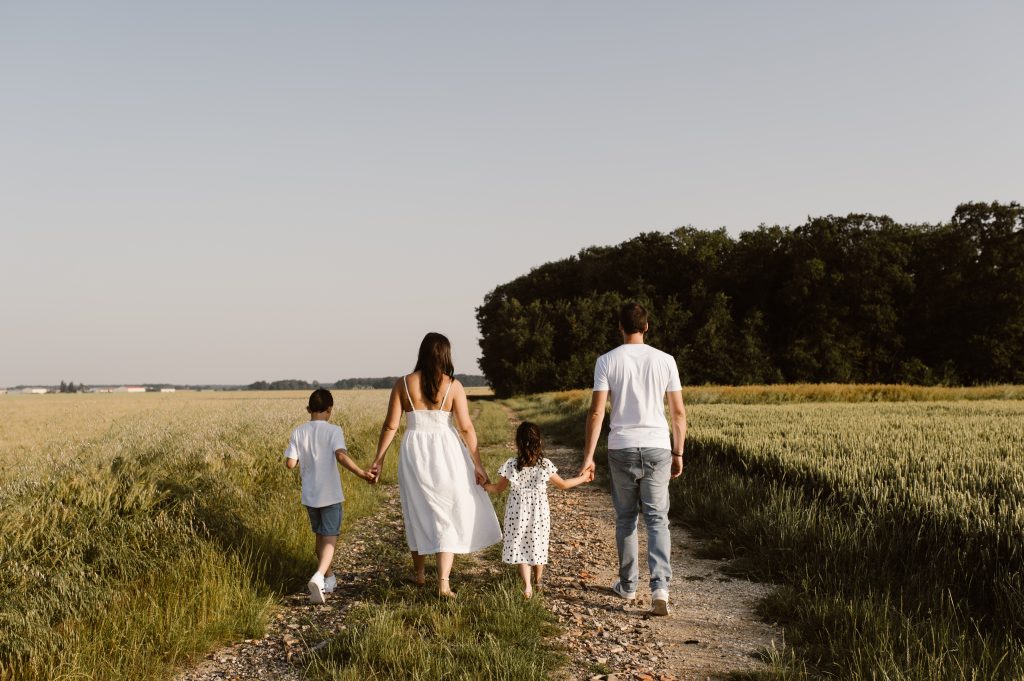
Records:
x=317, y=447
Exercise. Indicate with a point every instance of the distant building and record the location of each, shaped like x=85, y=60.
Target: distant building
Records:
x=167, y=390
x=32, y=391
x=129, y=389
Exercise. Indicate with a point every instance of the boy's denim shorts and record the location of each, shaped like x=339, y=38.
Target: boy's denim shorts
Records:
x=326, y=520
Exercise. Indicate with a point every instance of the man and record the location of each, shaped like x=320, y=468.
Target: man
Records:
x=637, y=378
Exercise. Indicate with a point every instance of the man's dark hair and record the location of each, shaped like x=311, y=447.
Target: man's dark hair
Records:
x=633, y=317
x=321, y=399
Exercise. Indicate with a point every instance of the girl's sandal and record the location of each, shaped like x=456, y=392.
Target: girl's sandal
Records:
x=443, y=589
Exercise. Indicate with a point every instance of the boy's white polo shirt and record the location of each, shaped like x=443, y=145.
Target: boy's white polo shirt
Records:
x=637, y=377
x=313, y=444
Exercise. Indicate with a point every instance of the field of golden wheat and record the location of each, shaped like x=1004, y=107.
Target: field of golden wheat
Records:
x=153, y=525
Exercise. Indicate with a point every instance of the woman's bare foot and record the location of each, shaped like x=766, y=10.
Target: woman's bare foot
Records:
x=418, y=579
x=443, y=589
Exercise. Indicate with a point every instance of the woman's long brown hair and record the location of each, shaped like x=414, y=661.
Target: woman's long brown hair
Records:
x=529, y=444
x=433, y=362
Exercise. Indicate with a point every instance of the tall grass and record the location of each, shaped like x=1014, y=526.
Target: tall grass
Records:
x=401, y=632
x=895, y=529
x=172, y=531
x=487, y=632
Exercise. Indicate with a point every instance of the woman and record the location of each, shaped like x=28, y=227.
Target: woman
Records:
x=446, y=511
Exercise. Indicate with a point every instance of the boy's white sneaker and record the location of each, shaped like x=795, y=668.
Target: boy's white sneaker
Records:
x=617, y=588
x=330, y=583
x=316, y=588
x=659, y=602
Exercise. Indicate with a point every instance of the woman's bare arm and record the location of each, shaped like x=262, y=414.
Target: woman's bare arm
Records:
x=460, y=407
x=392, y=420
x=497, y=487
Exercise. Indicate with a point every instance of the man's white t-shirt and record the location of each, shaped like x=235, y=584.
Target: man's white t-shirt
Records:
x=637, y=377
x=313, y=444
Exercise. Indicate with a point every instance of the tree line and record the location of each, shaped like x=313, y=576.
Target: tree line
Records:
x=382, y=382
x=854, y=299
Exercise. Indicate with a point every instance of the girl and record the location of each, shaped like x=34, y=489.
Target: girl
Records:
x=527, y=516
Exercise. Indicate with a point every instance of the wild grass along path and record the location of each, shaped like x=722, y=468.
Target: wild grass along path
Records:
x=711, y=632
x=299, y=627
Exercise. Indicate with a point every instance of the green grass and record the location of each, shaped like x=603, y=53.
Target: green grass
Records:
x=487, y=632
x=161, y=538
x=892, y=529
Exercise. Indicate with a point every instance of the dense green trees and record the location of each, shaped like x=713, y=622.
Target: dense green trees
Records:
x=858, y=298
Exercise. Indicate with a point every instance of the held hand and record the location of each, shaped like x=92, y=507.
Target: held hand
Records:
x=677, y=466
x=480, y=474
x=588, y=467
x=590, y=474
x=373, y=472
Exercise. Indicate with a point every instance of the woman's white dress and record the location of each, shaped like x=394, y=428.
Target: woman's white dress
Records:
x=527, y=515
x=442, y=506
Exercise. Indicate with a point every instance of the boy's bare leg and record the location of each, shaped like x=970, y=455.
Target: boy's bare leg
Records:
x=525, y=571
x=444, y=569
x=419, y=568
x=325, y=553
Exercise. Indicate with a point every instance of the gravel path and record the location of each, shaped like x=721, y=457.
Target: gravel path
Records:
x=299, y=626
x=711, y=631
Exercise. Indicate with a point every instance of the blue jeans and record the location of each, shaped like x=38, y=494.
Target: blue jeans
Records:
x=640, y=479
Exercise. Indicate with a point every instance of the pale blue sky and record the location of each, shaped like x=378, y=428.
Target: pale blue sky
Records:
x=231, y=191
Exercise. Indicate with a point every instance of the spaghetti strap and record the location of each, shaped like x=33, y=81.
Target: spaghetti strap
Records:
x=412, y=407
x=450, y=383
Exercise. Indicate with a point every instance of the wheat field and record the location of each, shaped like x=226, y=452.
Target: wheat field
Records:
x=894, y=529
x=140, y=531
x=153, y=525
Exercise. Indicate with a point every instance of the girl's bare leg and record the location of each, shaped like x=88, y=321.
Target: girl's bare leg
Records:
x=538, y=574
x=444, y=569
x=524, y=573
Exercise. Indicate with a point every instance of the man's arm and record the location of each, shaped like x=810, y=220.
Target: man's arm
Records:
x=677, y=413
x=595, y=417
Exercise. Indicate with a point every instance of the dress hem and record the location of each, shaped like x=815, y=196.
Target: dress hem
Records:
x=432, y=551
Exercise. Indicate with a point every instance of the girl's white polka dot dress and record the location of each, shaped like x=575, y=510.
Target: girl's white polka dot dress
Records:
x=527, y=515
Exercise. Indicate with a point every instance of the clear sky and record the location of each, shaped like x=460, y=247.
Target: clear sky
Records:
x=221, y=192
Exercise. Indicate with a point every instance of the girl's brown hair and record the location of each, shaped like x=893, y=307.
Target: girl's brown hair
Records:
x=529, y=444
x=434, y=361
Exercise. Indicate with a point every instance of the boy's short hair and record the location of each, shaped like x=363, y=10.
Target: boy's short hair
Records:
x=633, y=317
x=321, y=400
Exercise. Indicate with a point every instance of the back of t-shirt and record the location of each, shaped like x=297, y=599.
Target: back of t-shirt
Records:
x=637, y=377
x=313, y=444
